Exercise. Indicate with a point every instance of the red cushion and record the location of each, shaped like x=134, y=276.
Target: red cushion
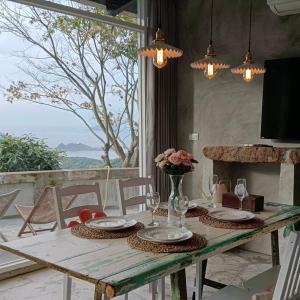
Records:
x=99, y=214
x=72, y=224
x=84, y=215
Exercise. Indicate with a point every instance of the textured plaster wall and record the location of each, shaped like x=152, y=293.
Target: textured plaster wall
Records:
x=226, y=110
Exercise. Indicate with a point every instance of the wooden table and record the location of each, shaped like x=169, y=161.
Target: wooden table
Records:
x=114, y=268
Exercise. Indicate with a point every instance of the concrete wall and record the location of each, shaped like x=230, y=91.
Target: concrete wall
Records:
x=31, y=184
x=227, y=111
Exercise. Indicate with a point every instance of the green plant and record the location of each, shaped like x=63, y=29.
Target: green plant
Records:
x=27, y=153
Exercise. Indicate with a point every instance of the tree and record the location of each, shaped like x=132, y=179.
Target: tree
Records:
x=84, y=67
x=27, y=154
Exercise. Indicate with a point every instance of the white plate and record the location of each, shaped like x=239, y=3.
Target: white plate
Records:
x=164, y=234
x=164, y=205
x=106, y=223
x=233, y=215
x=127, y=224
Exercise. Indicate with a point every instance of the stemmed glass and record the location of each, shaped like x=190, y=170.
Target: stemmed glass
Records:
x=152, y=202
x=241, y=190
x=181, y=206
x=212, y=187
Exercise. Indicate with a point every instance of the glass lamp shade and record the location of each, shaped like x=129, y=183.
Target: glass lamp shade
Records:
x=209, y=64
x=160, y=51
x=248, y=69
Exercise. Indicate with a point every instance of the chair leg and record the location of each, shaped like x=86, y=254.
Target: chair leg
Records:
x=54, y=227
x=199, y=281
x=126, y=297
x=162, y=288
x=3, y=237
x=67, y=286
x=22, y=229
x=153, y=289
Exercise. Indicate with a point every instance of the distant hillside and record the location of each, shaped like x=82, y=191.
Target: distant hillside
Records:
x=76, y=147
x=87, y=163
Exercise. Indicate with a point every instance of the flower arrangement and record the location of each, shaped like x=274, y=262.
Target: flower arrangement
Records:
x=175, y=162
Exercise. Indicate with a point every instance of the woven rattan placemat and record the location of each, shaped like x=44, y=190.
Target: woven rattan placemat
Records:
x=191, y=213
x=85, y=232
x=196, y=242
x=208, y=220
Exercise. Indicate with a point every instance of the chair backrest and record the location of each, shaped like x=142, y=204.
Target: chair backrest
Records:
x=288, y=282
x=145, y=184
x=6, y=200
x=44, y=210
x=75, y=190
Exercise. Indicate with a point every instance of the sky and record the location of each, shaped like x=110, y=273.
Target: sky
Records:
x=52, y=125
x=28, y=118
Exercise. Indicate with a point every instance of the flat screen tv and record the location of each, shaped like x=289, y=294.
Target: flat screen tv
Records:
x=281, y=100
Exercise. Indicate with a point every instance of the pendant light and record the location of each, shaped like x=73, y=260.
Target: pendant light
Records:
x=159, y=50
x=248, y=69
x=209, y=64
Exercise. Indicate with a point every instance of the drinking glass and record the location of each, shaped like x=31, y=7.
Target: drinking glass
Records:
x=152, y=202
x=181, y=206
x=241, y=190
x=212, y=187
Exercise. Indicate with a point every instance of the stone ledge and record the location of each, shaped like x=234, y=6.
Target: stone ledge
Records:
x=252, y=154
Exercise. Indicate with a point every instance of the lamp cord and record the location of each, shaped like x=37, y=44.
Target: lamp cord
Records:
x=211, y=21
x=250, y=26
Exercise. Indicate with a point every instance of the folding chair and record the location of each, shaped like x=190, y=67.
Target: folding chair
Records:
x=43, y=212
x=6, y=201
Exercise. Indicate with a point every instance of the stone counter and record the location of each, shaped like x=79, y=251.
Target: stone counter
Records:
x=253, y=154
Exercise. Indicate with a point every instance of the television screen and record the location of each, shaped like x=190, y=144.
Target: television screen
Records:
x=281, y=100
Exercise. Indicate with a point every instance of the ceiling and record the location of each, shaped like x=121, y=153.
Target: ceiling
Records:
x=115, y=7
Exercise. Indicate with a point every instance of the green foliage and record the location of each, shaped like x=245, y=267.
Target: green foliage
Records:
x=27, y=154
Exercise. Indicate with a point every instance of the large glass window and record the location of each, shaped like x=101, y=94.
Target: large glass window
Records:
x=70, y=82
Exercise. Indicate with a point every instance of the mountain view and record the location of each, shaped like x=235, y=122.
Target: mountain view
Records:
x=81, y=156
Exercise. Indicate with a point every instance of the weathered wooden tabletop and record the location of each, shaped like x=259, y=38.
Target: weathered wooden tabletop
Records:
x=116, y=269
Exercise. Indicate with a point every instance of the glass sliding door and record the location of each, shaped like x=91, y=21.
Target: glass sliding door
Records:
x=71, y=81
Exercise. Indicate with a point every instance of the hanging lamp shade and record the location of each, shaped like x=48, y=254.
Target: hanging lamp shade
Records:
x=248, y=68
x=159, y=50
x=209, y=64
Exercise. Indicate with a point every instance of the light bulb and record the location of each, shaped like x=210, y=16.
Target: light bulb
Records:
x=248, y=75
x=209, y=71
x=159, y=60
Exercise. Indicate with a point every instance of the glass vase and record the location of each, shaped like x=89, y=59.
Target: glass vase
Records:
x=176, y=191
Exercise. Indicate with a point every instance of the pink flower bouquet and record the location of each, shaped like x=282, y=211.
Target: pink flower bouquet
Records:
x=175, y=162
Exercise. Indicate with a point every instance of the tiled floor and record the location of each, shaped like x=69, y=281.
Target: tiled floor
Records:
x=230, y=268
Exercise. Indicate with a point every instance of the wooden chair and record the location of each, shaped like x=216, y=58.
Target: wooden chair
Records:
x=42, y=212
x=6, y=201
x=63, y=214
x=145, y=185
x=286, y=279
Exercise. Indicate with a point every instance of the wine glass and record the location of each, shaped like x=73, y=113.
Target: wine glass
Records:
x=181, y=206
x=241, y=190
x=212, y=187
x=152, y=202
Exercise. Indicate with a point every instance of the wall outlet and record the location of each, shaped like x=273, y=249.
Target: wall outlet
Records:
x=194, y=136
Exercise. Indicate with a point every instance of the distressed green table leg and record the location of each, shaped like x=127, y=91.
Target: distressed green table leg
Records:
x=178, y=285
x=275, y=248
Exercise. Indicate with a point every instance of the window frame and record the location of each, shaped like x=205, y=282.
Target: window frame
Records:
x=21, y=266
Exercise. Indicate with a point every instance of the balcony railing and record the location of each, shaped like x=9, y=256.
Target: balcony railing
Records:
x=31, y=184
